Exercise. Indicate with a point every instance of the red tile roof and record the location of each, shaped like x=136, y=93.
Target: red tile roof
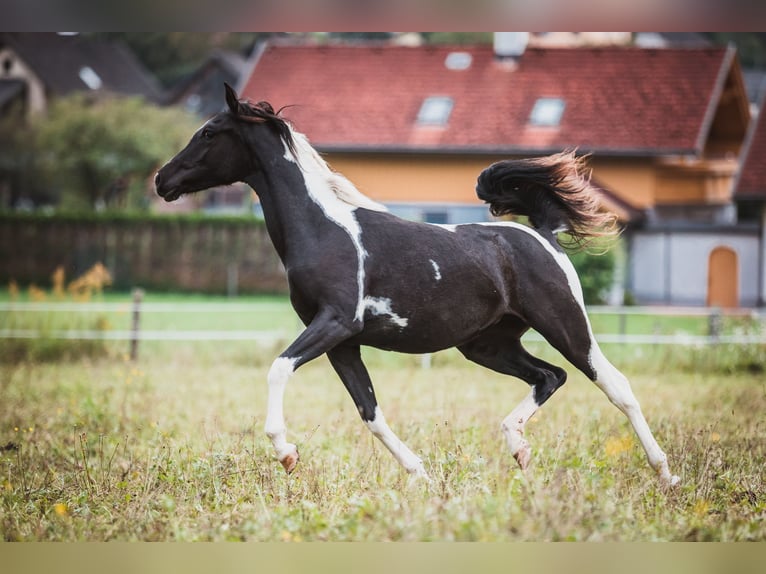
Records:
x=618, y=100
x=752, y=176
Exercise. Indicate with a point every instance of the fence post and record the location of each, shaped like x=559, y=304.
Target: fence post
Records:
x=232, y=279
x=714, y=323
x=138, y=296
x=623, y=321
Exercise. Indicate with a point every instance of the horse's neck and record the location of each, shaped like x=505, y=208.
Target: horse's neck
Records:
x=291, y=215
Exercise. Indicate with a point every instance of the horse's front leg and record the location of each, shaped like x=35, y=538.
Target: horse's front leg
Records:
x=325, y=332
x=347, y=362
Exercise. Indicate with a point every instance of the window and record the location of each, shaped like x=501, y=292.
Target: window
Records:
x=547, y=112
x=439, y=217
x=435, y=111
x=90, y=78
x=458, y=61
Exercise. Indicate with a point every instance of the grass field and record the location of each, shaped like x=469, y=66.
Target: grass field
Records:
x=172, y=448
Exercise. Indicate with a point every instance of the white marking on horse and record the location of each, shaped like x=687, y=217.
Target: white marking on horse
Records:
x=437, y=271
x=408, y=459
x=513, y=429
x=382, y=306
x=338, y=199
x=279, y=373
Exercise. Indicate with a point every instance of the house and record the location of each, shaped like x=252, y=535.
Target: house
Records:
x=37, y=66
x=377, y=107
x=414, y=126
x=750, y=191
x=200, y=93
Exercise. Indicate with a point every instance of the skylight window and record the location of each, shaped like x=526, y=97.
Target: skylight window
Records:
x=458, y=61
x=90, y=78
x=435, y=111
x=547, y=112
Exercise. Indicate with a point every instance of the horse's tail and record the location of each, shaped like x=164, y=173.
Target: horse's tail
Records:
x=551, y=191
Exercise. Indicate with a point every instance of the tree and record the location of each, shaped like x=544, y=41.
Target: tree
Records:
x=97, y=153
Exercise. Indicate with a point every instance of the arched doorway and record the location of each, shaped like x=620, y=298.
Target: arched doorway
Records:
x=723, y=278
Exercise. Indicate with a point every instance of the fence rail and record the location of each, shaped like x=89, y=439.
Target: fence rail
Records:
x=137, y=307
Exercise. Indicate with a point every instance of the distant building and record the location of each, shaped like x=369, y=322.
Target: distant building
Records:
x=750, y=191
x=413, y=126
x=200, y=93
x=38, y=66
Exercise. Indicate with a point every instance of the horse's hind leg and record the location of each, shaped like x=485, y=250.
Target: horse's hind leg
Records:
x=574, y=339
x=617, y=388
x=500, y=350
x=347, y=362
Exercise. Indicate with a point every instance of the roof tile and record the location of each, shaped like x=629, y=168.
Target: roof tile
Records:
x=618, y=99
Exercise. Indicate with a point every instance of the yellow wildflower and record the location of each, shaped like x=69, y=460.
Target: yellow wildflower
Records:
x=616, y=446
x=701, y=507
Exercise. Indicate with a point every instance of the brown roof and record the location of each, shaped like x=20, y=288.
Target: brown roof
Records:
x=751, y=182
x=619, y=100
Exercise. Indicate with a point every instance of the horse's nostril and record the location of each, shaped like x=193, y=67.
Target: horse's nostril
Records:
x=157, y=179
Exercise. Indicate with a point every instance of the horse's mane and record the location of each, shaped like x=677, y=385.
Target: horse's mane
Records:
x=305, y=155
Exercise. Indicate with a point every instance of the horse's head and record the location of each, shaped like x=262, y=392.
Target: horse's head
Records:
x=215, y=155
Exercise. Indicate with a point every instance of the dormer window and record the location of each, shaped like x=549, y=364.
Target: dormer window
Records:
x=458, y=61
x=435, y=111
x=90, y=78
x=547, y=112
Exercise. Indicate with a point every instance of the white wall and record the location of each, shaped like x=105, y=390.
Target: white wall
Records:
x=672, y=267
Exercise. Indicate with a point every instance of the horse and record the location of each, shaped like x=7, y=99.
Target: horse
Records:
x=360, y=276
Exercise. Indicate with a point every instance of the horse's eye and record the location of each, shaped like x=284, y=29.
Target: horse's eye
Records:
x=207, y=134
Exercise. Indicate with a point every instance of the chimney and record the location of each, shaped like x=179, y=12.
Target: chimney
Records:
x=509, y=46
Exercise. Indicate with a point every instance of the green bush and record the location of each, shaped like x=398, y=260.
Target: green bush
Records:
x=596, y=271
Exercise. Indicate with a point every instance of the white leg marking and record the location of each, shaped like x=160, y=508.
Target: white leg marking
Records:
x=513, y=429
x=408, y=459
x=617, y=389
x=279, y=373
x=382, y=306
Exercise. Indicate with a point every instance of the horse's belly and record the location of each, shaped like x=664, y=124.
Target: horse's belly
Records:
x=423, y=331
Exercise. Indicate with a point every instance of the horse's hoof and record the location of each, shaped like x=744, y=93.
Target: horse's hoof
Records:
x=290, y=461
x=672, y=481
x=523, y=455
x=419, y=475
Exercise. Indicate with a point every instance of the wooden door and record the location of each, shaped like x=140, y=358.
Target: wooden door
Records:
x=723, y=278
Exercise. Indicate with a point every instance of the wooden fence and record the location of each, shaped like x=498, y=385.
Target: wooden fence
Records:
x=210, y=255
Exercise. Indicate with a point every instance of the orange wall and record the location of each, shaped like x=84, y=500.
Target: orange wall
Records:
x=416, y=178
x=431, y=178
x=631, y=179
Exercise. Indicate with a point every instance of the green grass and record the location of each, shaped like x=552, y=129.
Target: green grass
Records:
x=172, y=448
x=95, y=447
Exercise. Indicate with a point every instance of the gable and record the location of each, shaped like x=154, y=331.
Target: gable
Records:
x=615, y=100
x=751, y=183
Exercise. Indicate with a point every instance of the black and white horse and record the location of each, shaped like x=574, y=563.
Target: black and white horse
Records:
x=361, y=276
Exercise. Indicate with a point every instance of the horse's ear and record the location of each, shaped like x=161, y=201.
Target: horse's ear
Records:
x=232, y=100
